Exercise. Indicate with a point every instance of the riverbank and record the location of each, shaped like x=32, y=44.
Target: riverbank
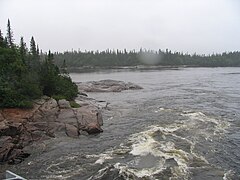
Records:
x=131, y=68
x=180, y=115
x=22, y=131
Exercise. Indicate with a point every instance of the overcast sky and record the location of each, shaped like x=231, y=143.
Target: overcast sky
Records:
x=202, y=26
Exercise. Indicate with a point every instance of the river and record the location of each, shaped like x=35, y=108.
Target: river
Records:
x=183, y=124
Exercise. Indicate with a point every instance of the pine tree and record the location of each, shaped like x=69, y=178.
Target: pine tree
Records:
x=33, y=49
x=64, y=68
x=9, y=35
x=23, y=50
x=34, y=57
x=1, y=39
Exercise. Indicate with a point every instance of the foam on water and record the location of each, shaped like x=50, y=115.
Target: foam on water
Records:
x=148, y=154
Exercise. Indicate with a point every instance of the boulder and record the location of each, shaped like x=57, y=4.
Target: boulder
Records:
x=93, y=128
x=50, y=109
x=88, y=114
x=64, y=104
x=71, y=131
x=67, y=116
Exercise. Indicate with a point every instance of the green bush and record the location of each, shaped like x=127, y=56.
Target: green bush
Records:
x=66, y=88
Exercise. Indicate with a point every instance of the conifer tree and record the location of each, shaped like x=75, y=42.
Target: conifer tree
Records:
x=33, y=49
x=64, y=68
x=1, y=39
x=23, y=50
x=9, y=35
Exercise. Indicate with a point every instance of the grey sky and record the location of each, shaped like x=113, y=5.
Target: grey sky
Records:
x=202, y=26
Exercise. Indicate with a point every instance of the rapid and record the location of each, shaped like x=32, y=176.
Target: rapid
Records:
x=183, y=124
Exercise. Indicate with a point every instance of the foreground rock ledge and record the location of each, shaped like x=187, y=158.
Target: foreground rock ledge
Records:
x=107, y=86
x=19, y=128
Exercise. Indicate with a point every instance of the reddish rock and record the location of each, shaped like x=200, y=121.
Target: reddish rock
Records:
x=19, y=115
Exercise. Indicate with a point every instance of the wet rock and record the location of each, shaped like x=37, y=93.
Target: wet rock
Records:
x=35, y=148
x=107, y=86
x=72, y=131
x=9, y=129
x=64, y=104
x=82, y=132
x=99, y=118
x=21, y=128
x=5, y=152
x=17, y=156
x=88, y=114
x=5, y=140
x=11, y=154
x=93, y=128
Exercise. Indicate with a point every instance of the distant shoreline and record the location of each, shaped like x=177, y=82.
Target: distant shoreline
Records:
x=140, y=67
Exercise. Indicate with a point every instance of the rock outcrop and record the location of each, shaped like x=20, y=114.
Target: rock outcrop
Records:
x=106, y=86
x=47, y=119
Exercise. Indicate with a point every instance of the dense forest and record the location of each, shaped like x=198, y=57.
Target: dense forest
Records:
x=111, y=58
x=26, y=76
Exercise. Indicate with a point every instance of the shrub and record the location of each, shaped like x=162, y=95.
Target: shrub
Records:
x=73, y=104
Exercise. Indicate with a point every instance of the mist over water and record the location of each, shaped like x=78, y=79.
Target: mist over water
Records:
x=150, y=58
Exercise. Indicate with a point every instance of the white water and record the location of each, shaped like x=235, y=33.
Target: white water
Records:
x=184, y=124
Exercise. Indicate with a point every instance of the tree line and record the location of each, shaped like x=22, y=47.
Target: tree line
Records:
x=25, y=75
x=111, y=58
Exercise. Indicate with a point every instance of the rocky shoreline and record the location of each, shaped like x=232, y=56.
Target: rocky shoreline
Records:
x=23, y=130
x=47, y=119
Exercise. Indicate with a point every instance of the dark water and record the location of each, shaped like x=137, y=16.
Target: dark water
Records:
x=184, y=124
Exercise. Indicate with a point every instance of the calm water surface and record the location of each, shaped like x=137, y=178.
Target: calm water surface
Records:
x=184, y=124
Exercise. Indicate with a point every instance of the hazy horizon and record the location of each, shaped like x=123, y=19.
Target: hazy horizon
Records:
x=201, y=26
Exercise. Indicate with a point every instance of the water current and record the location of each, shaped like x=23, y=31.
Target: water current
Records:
x=183, y=124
